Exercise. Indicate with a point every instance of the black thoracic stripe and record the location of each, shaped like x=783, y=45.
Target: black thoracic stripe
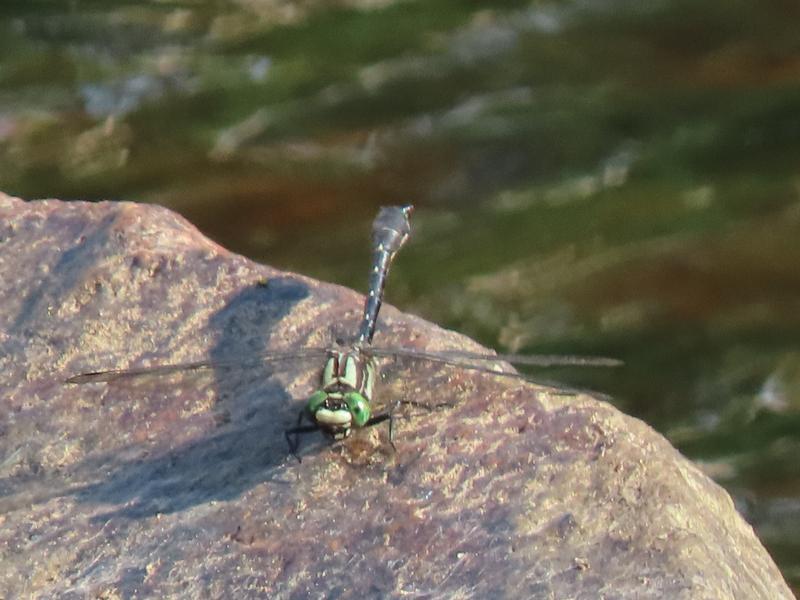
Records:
x=362, y=379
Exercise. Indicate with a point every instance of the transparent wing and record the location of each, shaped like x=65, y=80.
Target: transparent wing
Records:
x=479, y=362
x=158, y=370
x=463, y=358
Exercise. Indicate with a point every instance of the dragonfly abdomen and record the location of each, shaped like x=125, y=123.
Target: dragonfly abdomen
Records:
x=389, y=232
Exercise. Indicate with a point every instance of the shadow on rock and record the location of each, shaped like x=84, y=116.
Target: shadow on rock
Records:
x=65, y=274
x=219, y=467
x=250, y=446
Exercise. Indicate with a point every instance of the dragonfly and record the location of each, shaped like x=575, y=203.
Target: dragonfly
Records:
x=344, y=401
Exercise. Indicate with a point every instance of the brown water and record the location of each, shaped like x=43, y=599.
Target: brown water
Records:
x=591, y=177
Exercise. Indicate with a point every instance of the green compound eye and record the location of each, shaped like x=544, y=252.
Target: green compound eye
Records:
x=315, y=401
x=358, y=407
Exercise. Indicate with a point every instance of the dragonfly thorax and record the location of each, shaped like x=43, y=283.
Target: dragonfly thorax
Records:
x=343, y=400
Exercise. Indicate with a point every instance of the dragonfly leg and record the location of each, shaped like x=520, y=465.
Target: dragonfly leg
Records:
x=391, y=423
x=391, y=432
x=295, y=431
x=380, y=419
x=428, y=407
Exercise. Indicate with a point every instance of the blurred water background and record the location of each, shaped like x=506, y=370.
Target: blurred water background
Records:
x=593, y=176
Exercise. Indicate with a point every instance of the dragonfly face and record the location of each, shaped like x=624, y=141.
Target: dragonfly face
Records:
x=343, y=401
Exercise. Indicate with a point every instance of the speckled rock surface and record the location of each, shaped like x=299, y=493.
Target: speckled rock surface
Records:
x=182, y=486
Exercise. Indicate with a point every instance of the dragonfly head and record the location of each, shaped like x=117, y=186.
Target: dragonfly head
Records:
x=338, y=413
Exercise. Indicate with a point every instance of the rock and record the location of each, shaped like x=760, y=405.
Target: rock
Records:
x=183, y=485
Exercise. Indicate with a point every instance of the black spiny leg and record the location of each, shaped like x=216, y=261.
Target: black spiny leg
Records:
x=296, y=431
x=380, y=419
x=391, y=431
x=390, y=415
x=428, y=407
